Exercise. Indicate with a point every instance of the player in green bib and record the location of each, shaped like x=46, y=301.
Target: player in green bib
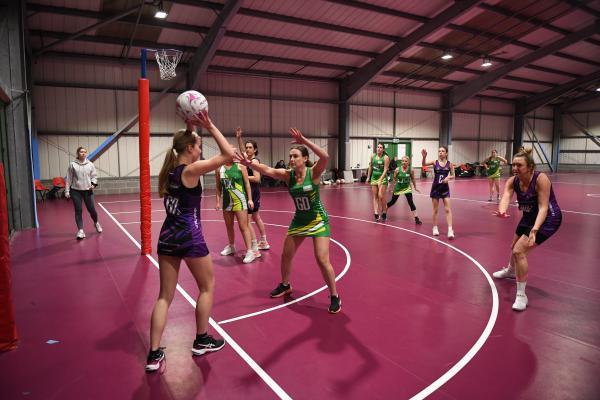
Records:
x=492, y=166
x=233, y=197
x=310, y=218
x=378, y=179
x=404, y=176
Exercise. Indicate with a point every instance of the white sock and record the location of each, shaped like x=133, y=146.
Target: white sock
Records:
x=263, y=238
x=521, y=287
x=254, y=243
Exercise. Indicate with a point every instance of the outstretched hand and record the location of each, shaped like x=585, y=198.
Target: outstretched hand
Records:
x=242, y=158
x=298, y=137
x=500, y=214
x=238, y=132
x=202, y=119
x=424, y=153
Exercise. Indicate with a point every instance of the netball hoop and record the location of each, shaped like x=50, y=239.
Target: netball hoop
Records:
x=167, y=60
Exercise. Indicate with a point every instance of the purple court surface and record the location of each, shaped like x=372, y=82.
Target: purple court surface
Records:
x=421, y=316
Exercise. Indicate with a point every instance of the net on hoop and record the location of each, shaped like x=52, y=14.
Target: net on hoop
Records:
x=167, y=60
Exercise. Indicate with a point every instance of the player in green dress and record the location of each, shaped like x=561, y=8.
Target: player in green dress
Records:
x=377, y=176
x=404, y=176
x=233, y=197
x=492, y=166
x=310, y=219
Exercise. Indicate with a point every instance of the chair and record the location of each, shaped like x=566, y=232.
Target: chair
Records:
x=59, y=185
x=424, y=171
x=40, y=189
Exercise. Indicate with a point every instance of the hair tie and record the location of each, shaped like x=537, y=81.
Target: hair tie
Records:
x=174, y=151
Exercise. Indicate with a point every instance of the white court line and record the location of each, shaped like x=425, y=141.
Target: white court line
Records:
x=486, y=332
x=259, y=371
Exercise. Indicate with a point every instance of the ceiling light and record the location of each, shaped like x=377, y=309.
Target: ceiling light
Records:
x=598, y=89
x=160, y=11
x=487, y=62
x=447, y=55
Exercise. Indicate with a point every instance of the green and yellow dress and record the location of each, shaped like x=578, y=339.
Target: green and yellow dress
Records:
x=232, y=189
x=310, y=218
x=377, y=166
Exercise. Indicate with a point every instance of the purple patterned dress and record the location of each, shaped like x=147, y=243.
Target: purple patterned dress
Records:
x=440, y=190
x=181, y=233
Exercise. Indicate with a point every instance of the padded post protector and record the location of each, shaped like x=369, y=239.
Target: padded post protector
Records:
x=8, y=328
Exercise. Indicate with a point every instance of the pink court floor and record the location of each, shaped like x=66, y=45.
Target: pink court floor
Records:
x=422, y=316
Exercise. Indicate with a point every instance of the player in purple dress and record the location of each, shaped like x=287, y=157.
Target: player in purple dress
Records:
x=181, y=235
x=443, y=172
x=541, y=218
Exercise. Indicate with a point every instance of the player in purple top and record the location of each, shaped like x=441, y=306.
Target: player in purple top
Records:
x=443, y=172
x=181, y=235
x=541, y=218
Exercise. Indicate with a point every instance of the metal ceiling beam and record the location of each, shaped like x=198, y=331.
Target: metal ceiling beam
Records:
x=205, y=53
x=583, y=7
x=530, y=20
x=463, y=92
x=352, y=85
x=578, y=100
x=81, y=32
x=546, y=97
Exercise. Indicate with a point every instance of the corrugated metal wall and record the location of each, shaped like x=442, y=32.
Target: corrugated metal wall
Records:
x=582, y=150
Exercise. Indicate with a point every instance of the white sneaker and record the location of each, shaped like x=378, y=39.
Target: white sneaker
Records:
x=256, y=253
x=249, y=257
x=507, y=272
x=450, y=233
x=520, y=303
x=228, y=250
x=263, y=245
x=80, y=234
x=98, y=227
x=436, y=231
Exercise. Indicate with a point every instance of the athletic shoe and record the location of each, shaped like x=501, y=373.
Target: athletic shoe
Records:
x=490, y=199
x=336, y=305
x=507, y=272
x=256, y=253
x=98, y=227
x=250, y=256
x=520, y=303
x=155, y=359
x=281, y=290
x=418, y=221
x=80, y=234
x=207, y=344
x=436, y=231
x=263, y=245
x=229, y=250
x=450, y=233
x=383, y=217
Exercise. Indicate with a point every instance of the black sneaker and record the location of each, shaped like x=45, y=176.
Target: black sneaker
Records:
x=383, y=217
x=376, y=217
x=281, y=290
x=336, y=304
x=155, y=359
x=418, y=221
x=206, y=345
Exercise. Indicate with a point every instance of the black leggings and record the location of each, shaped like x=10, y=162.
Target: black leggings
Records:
x=87, y=196
x=409, y=200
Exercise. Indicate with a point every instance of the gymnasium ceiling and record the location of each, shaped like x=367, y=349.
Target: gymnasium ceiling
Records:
x=543, y=52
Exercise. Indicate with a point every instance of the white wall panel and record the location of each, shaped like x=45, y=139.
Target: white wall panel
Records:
x=490, y=106
x=431, y=146
x=465, y=125
x=250, y=114
x=538, y=153
x=472, y=104
x=371, y=121
x=541, y=127
x=361, y=151
x=224, y=83
x=374, y=97
x=314, y=119
x=304, y=89
x=417, y=123
x=409, y=98
x=462, y=151
x=543, y=112
x=504, y=149
x=569, y=128
x=495, y=127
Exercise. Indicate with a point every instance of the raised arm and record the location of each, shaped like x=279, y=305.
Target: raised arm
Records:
x=238, y=134
x=424, y=161
x=201, y=167
x=322, y=156
x=275, y=173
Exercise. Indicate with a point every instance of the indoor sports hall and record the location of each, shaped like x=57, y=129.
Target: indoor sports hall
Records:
x=451, y=177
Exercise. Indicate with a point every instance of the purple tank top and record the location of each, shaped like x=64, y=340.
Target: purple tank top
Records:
x=182, y=204
x=439, y=189
x=528, y=204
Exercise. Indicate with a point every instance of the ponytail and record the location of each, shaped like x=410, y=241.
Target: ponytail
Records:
x=163, y=176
